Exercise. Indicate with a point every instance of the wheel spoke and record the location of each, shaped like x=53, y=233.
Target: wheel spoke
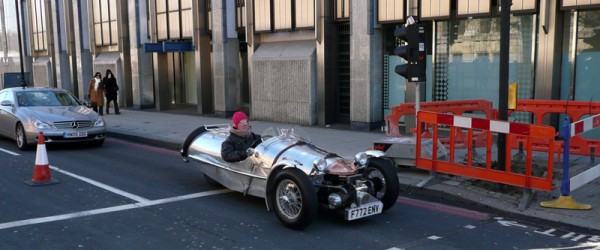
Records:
x=289, y=199
x=20, y=137
x=378, y=180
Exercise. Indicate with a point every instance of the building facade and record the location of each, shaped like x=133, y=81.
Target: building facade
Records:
x=305, y=62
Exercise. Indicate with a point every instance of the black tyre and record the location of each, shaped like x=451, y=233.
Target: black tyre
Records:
x=21, y=138
x=383, y=181
x=294, y=198
x=212, y=181
x=97, y=143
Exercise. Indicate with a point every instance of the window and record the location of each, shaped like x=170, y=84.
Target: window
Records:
x=342, y=10
x=580, y=81
x=38, y=21
x=579, y=4
x=106, y=32
x=468, y=57
x=209, y=10
x=174, y=20
x=305, y=14
x=390, y=11
x=468, y=8
x=282, y=10
x=240, y=14
x=434, y=9
x=285, y=15
x=262, y=17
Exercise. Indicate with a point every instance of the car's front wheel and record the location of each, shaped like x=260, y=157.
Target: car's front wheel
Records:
x=21, y=137
x=97, y=143
x=294, y=198
x=383, y=181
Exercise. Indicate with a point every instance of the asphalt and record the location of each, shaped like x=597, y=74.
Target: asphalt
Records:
x=169, y=130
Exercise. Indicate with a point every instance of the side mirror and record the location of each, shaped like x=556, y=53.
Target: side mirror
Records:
x=6, y=103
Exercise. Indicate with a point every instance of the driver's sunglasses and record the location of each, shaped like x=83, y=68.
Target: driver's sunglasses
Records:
x=244, y=122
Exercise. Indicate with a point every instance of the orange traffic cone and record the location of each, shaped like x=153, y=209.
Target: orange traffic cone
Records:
x=41, y=171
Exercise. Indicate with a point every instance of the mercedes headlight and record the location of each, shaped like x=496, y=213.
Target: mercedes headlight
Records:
x=41, y=125
x=320, y=164
x=99, y=123
x=361, y=159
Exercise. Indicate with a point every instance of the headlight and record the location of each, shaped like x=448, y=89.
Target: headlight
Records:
x=41, y=125
x=99, y=123
x=361, y=159
x=320, y=164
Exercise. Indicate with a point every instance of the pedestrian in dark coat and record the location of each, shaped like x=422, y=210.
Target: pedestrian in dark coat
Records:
x=235, y=147
x=111, y=88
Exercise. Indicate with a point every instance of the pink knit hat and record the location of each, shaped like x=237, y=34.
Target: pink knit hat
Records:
x=237, y=117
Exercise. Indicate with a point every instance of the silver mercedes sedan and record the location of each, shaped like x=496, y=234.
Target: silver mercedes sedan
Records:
x=62, y=118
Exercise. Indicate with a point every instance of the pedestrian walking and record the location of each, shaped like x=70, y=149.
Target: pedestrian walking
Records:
x=96, y=93
x=111, y=87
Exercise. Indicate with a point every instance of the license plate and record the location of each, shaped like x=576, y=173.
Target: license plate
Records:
x=75, y=134
x=365, y=210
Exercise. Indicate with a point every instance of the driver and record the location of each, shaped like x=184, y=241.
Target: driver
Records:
x=23, y=100
x=240, y=139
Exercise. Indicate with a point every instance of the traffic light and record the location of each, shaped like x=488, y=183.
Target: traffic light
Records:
x=413, y=52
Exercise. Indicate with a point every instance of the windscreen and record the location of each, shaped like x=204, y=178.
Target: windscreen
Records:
x=46, y=98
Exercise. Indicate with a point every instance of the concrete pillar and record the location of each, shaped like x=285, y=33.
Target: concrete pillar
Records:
x=162, y=98
x=70, y=46
x=125, y=88
x=366, y=63
x=81, y=29
x=202, y=58
x=142, y=89
x=226, y=59
x=60, y=58
x=325, y=87
x=548, y=70
x=252, y=41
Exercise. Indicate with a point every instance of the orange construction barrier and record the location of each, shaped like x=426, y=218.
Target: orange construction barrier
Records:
x=41, y=171
x=453, y=107
x=574, y=109
x=512, y=176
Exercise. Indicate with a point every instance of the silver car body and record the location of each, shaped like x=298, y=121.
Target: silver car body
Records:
x=284, y=149
x=250, y=176
x=55, y=112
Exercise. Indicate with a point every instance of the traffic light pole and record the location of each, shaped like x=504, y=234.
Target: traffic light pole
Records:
x=23, y=83
x=503, y=80
x=417, y=98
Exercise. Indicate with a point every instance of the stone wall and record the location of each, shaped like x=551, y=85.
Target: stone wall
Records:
x=284, y=87
x=42, y=72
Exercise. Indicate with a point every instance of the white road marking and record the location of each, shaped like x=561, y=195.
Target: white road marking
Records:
x=510, y=223
x=470, y=227
x=433, y=237
x=108, y=209
x=103, y=186
x=9, y=152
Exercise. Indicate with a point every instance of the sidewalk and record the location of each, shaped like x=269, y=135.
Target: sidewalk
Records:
x=170, y=130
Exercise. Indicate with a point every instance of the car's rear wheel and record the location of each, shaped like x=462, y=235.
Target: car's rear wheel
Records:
x=21, y=137
x=294, y=198
x=383, y=181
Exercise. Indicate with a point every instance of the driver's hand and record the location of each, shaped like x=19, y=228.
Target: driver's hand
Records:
x=250, y=152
